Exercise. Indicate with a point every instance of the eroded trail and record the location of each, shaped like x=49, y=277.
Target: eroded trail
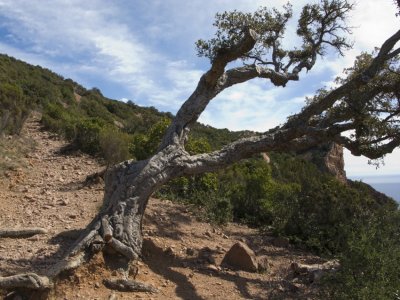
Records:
x=47, y=193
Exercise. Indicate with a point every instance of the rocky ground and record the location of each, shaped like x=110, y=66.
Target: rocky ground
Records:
x=181, y=256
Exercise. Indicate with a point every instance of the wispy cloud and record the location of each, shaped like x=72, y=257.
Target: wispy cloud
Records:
x=78, y=33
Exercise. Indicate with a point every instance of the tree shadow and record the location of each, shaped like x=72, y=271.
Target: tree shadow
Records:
x=167, y=265
x=41, y=263
x=164, y=265
x=167, y=223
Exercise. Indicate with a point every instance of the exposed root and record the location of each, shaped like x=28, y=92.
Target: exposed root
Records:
x=107, y=230
x=21, y=232
x=123, y=249
x=28, y=280
x=86, y=240
x=124, y=285
x=67, y=264
x=80, y=253
x=36, y=282
x=95, y=178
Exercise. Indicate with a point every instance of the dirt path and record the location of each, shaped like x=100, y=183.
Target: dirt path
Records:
x=181, y=258
x=45, y=194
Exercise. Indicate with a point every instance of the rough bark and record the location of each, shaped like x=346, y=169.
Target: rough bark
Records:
x=123, y=285
x=29, y=280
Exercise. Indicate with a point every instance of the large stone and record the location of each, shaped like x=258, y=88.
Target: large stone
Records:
x=241, y=257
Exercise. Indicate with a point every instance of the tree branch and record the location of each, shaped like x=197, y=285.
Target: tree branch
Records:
x=372, y=153
x=226, y=55
x=294, y=139
x=326, y=102
x=21, y=232
x=205, y=91
x=245, y=73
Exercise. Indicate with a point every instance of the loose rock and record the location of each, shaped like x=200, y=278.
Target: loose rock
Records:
x=241, y=257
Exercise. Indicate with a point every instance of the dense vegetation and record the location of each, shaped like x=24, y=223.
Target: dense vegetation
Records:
x=289, y=196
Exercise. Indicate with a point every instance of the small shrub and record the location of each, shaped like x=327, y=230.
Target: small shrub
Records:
x=114, y=145
x=144, y=145
x=88, y=135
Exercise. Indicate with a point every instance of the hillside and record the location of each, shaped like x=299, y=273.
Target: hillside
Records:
x=290, y=200
x=182, y=255
x=67, y=106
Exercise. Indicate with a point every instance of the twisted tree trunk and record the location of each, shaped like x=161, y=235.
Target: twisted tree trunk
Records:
x=128, y=185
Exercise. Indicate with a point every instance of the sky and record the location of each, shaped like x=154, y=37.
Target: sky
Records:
x=143, y=50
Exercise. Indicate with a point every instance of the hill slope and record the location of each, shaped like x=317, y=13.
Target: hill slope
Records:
x=67, y=106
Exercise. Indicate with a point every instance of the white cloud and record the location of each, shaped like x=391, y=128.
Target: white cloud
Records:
x=87, y=33
x=254, y=105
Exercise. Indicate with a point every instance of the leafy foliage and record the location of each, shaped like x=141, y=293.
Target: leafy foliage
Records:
x=145, y=145
x=319, y=26
x=376, y=120
x=114, y=145
x=369, y=260
x=14, y=108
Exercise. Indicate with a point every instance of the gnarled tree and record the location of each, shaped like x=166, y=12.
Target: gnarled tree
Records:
x=362, y=114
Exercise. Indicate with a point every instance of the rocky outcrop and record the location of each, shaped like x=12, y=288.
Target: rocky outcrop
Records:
x=328, y=158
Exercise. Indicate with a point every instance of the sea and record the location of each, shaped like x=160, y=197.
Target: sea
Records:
x=387, y=184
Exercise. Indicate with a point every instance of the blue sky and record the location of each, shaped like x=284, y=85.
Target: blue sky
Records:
x=143, y=50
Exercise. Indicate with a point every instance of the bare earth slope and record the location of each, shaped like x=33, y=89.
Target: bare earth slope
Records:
x=181, y=257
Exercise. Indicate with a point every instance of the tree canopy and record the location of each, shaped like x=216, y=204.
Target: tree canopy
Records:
x=360, y=113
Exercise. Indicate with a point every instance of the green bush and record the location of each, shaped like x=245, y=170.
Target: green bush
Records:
x=256, y=197
x=369, y=261
x=217, y=209
x=145, y=145
x=14, y=108
x=114, y=145
x=197, y=146
x=58, y=119
x=88, y=135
